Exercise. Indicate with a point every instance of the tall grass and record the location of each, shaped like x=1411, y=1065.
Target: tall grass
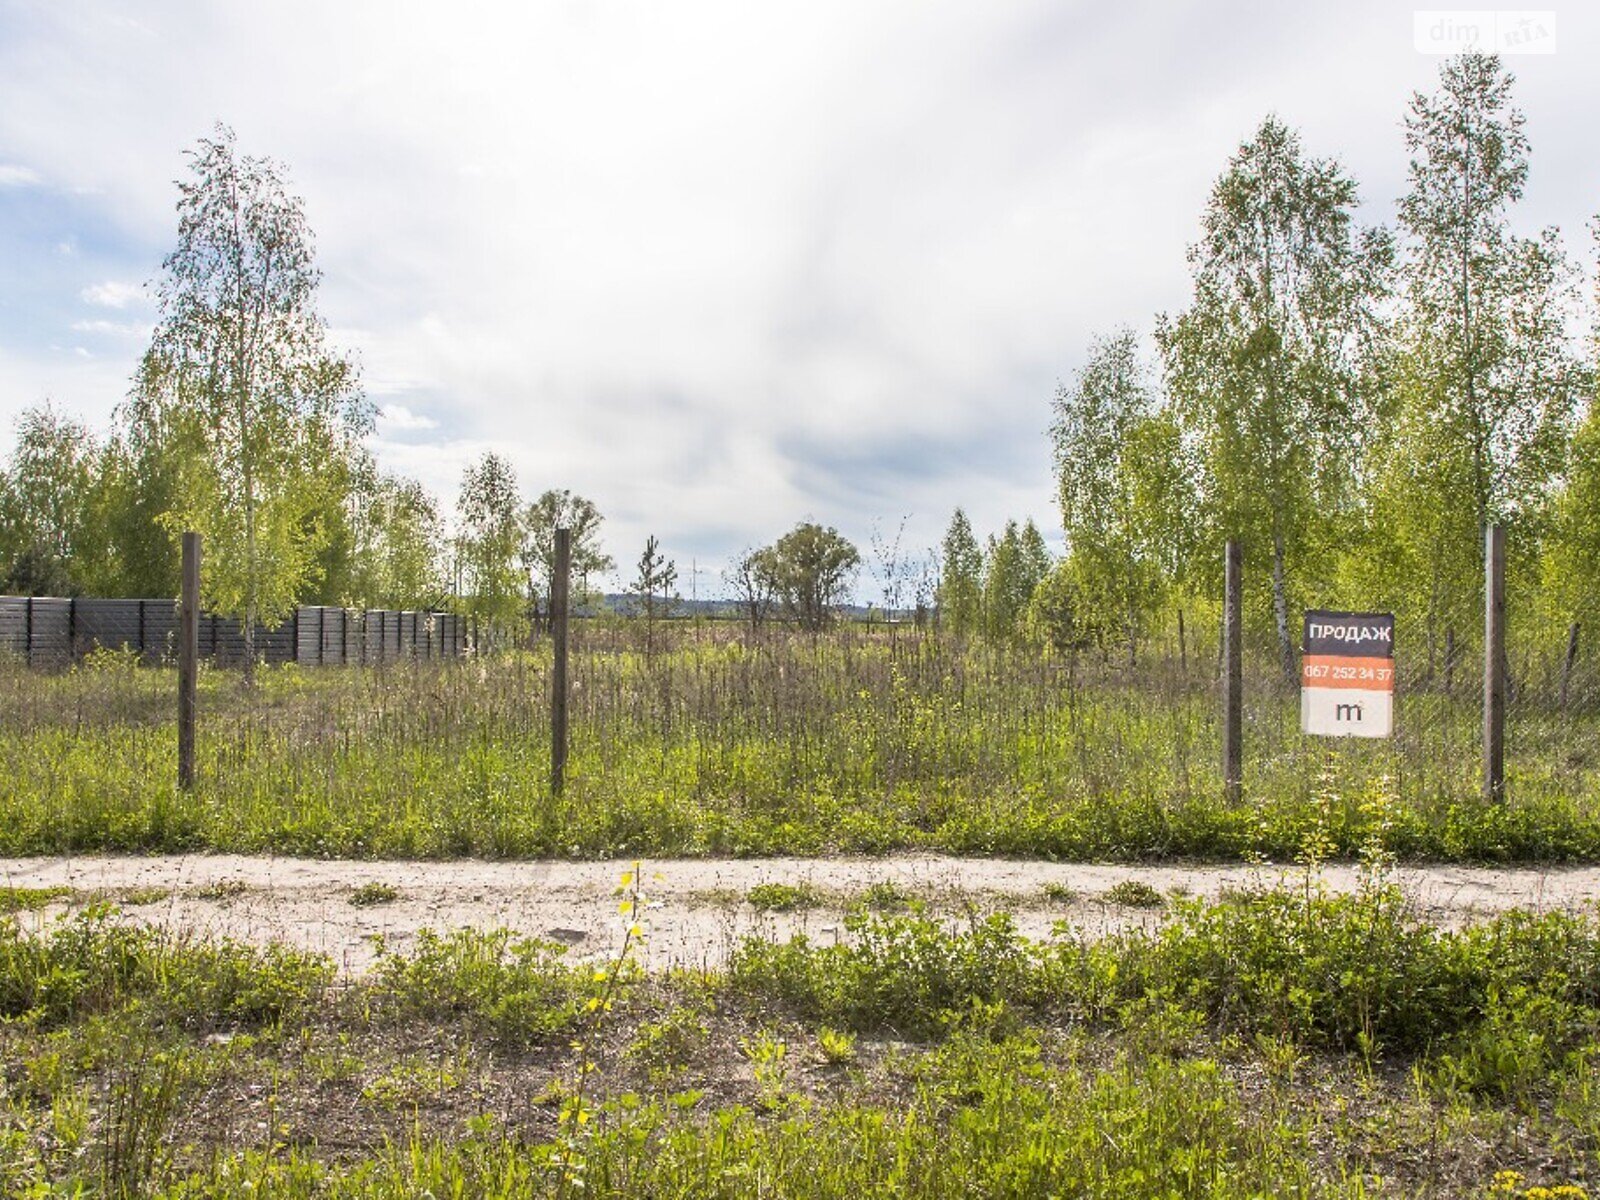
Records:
x=848, y=742
x=1275, y=1043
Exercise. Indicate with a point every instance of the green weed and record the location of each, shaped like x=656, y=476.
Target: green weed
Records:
x=373, y=893
x=782, y=897
x=30, y=899
x=1134, y=893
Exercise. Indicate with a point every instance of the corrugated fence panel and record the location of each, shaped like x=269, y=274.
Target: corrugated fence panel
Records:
x=108, y=625
x=51, y=631
x=13, y=626
x=307, y=634
x=160, y=630
x=371, y=636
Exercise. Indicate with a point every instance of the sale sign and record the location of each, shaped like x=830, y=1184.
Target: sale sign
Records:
x=1347, y=674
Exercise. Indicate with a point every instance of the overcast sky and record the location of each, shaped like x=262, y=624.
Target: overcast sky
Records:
x=719, y=266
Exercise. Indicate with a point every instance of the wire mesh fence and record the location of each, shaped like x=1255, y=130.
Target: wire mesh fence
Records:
x=698, y=736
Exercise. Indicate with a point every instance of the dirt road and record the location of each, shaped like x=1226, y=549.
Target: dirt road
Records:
x=701, y=908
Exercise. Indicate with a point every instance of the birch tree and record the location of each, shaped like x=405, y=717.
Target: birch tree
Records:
x=1264, y=365
x=1486, y=375
x=239, y=361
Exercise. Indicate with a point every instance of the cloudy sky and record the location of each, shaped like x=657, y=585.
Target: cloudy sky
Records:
x=720, y=266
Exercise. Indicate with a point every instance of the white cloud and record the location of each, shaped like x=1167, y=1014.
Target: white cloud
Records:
x=14, y=175
x=112, y=328
x=400, y=419
x=112, y=294
x=720, y=265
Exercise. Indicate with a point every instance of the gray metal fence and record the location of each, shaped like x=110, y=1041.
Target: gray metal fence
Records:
x=47, y=631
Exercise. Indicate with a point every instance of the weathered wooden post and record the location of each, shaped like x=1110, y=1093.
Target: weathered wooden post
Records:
x=558, y=635
x=1494, y=664
x=188, y=657
x=1568, y=663
x=1232, y=674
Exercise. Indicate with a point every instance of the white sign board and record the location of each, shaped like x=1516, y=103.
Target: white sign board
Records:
x=1347, y=674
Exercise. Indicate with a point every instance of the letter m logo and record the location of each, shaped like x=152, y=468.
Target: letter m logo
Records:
x=1347, y=712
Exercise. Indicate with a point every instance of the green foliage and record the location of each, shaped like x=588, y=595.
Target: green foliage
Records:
x=753, y=576
x=1274, y=1043
x=30, y=899
x=903, y=973
x=561, y=509
x=374, y=892
x=1573, y=570
x=836, y=1046
x=812, y=568
x=1134, y=893
x=489, y=540
x=1122, y=491
x=961, y=578
x=652, y=588
x=1357, y=972
x=782, y=897
x=1484, y=378
x=513, y=988
x=50, y=531
x=89, y=963
x=393, y=544
x=669, y=1046
x=239, y=371
x=987, y=1121
x=1014, y=566
x=1265, y=366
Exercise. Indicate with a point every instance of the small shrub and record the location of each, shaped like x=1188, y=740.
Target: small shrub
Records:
x=373, y=893
x=837, y=1046
x=30, y=899
x=768, y=1055
x=665, y=1048
x=783, y=897
x=91, y=964
x=885, y=896
x=137, y=896
x=1135, y=893
x=1059, y=893
x=514, y=987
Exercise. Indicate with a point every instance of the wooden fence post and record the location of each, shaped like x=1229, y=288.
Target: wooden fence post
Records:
x=558, y=635
x=188, y=657
x=1494, y=664
x=1568, y=663
x=1232, y=674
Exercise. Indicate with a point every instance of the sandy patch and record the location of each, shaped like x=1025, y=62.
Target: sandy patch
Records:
x=700, y=912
